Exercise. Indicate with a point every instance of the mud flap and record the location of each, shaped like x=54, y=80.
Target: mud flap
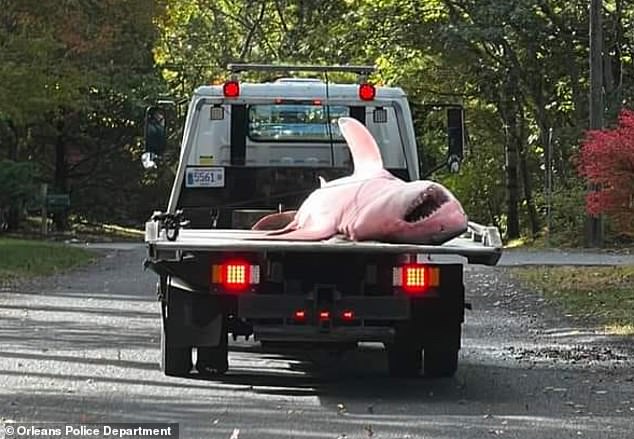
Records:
x=193, y=319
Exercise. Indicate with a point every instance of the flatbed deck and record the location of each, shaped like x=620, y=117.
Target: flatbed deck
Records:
x=479, y=245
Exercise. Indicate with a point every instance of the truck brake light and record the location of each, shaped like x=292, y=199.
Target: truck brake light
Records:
x=231, y=89
x=235, y=275
x=367, y=92
x=415, y=278
x=324, y=315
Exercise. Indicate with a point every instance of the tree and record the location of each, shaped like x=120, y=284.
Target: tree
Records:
x=607, y=160
x=89, y=66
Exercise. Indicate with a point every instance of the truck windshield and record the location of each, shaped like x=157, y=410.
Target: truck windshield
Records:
x=295, y=123
x=297, y=134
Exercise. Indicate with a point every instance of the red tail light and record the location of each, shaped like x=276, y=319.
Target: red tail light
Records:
x=300, y=315
x=231, y=89
x=367, y=92
x=416, y=278
x=235, y=275
x=347, y=315
x=324, y=315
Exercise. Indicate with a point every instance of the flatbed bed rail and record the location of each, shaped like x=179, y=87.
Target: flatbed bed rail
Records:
x=479, y=245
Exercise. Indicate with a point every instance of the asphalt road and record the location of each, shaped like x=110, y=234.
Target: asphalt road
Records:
x=83, y=347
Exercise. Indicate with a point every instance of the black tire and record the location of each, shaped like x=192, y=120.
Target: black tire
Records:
x=213, y=361
x=404, y=361
x=175, y=361
x=440, y=362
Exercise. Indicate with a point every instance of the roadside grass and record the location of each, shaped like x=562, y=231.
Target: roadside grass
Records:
x=604, y=295
x=21, y=259
x=82, y=230
x=110, y=231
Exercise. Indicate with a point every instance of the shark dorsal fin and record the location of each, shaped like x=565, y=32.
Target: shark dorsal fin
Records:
x=322, y=181
x=365, y=152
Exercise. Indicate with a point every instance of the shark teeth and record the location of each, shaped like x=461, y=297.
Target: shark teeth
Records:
x=426, y=204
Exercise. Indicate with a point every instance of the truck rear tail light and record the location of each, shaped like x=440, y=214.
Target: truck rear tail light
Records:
x=367, y=92
x=300, y=315
x=347, y=316
x=324, y=315
x=231, y=89
x=416, y=278
x=235, y=275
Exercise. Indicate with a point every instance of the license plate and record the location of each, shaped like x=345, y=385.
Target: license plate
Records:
x=205, y=177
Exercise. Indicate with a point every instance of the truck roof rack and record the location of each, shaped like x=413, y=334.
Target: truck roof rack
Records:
x=359, y=70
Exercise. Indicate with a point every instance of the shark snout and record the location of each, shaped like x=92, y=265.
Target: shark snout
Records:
x=428, y=201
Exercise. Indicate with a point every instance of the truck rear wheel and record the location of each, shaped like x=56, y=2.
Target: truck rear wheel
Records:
x=214, y=360
x=404, y=360
x=440, y=362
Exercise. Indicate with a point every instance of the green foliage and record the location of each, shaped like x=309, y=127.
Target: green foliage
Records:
x=17, y=181
x=568, y=214
x=519, y=68
x=79, y=76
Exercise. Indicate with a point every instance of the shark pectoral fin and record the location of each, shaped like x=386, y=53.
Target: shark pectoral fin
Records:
x=275, y=221
x=307, y=234
x=292, y=233
x=289, y=228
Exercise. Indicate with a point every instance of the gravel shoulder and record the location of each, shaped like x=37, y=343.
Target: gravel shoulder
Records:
x=83, y=347
x=518, y=257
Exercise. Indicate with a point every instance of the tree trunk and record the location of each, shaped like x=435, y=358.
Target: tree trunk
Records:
x=13, y=145
x=13, y=215
x=507, y=110
x=594, y=224
x=512, y=189
x=526, y=176
x=612, y=67
x=60, y=217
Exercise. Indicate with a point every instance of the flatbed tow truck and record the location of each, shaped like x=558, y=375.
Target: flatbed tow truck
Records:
x=250, y=149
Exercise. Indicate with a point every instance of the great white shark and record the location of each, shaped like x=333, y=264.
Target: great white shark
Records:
x=371, y=204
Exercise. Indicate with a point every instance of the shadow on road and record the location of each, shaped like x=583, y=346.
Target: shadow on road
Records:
x=86, y=350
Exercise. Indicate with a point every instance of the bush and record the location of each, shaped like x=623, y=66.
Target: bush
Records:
x=17, y=187
x=607, y=160
x=567, y=213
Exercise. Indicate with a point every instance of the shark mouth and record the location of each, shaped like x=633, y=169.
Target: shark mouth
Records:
x=428, y=202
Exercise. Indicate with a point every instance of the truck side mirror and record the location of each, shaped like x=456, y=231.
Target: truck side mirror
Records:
x=455, y=136
x=155, y=135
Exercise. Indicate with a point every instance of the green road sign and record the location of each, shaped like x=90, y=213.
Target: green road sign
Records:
x=57, y=201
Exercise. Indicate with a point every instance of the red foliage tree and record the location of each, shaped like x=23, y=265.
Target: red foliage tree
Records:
x=607, y=160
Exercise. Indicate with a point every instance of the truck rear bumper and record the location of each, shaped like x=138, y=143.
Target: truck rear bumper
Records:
x=284, y=307
x=339, y=320
x=313, y=334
